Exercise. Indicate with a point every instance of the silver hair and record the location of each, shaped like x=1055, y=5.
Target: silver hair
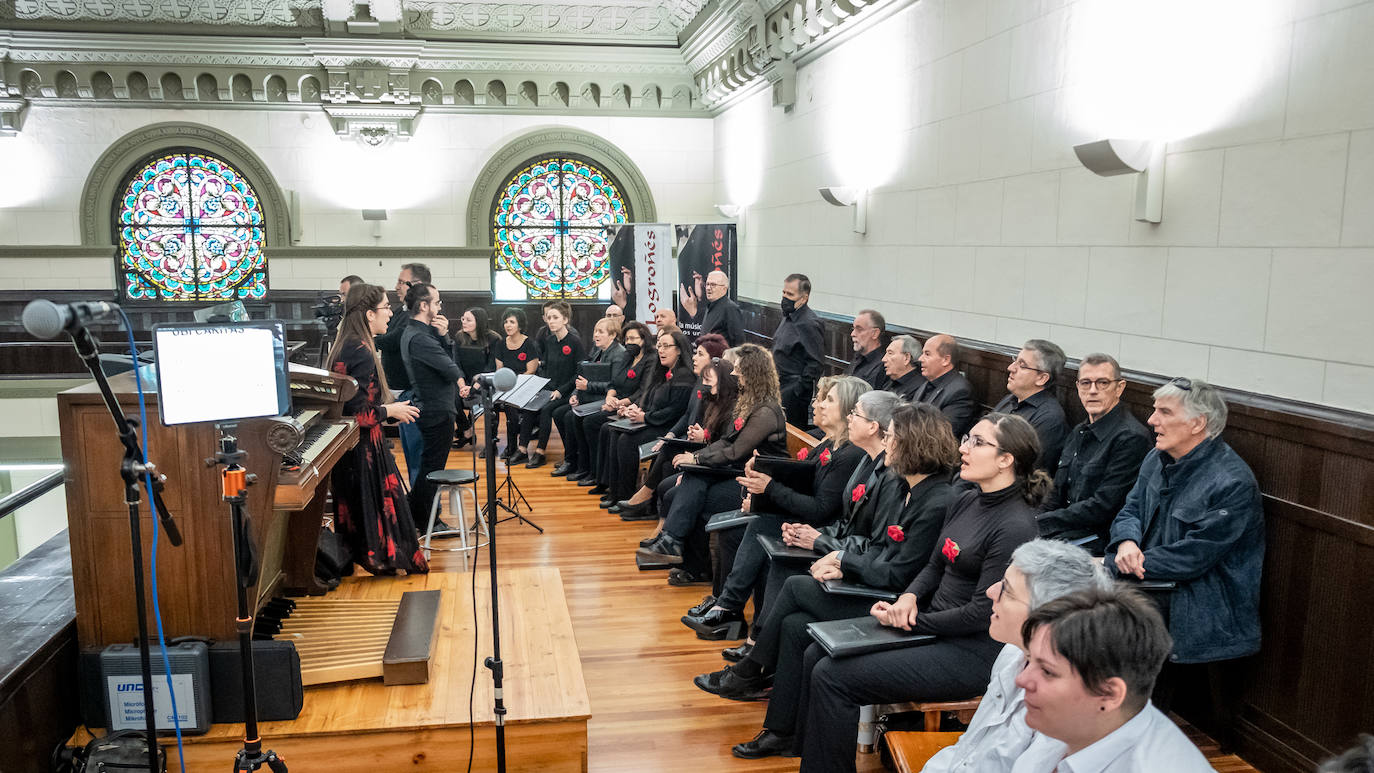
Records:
x=1053, y=569
x=911, y=348
x=1050, y=355
x=878, y=405
x=1198, y=398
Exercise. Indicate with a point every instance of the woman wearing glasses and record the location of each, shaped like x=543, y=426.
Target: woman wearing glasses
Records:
x=371, y=513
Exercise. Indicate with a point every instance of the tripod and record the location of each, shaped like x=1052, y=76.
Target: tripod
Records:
x=234, y=490
x=513, y=495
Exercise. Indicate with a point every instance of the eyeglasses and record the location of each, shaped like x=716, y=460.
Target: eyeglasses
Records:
x=715, y=284
x=977, y=442
x=1020, y=363
x=1102, y=384
x=665, y=346
x=1186, y=384
x=383, y=307
x=855, y=413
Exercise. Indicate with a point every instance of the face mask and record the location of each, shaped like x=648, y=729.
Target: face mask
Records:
x=788, y=305
x=633, y=350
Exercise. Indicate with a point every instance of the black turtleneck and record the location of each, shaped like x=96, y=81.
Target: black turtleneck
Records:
x=971, y=553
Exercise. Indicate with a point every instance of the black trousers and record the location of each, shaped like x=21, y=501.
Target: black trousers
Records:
x=686, y=507
x=436, y=437
x=620, y=460
x=540, y=422
x=589, y=438
x=796, y=402
x=512, y=425
x=743, y=563
x=833, y=690
x=570, y=429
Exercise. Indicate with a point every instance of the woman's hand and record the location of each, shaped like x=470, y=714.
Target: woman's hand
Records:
x=464, y=390
x=747, y=503
x=402, y=413
x=581, y=383
x=800, y=535
x=572, y=401
x=634, y=413
x=696, y=434
x=684, y=458
x=828, y=568
x=556, y=394
x=658, y=446
x=754, y=482
x=1130, y=559
x=901, y=614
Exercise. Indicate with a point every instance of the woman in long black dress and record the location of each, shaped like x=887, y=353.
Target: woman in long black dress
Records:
x=370, y=508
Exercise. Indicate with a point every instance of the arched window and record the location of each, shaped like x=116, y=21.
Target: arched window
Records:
x=549, y=230
x=189, y=228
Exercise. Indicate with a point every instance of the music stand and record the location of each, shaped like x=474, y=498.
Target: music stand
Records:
x=199, y=360
x=528, y=391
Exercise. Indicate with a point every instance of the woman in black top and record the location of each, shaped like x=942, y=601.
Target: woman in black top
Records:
x=659, y=404
x=606, y=350
x=758, y=426
x=517, y=352
x=639, y=506
x=984, y=526
x=562, y=351
x=371, y=512
x=625, y=380
x=474, y=349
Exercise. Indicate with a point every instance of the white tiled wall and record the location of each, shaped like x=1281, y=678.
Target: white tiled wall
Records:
x=424, y=183
x=1259, y=276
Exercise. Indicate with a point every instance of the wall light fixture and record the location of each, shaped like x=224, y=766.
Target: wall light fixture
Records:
x=845, y=196
x=1109, y=158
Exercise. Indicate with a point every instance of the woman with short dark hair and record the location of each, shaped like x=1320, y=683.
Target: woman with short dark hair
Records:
x=519, y=353
x=474, y=349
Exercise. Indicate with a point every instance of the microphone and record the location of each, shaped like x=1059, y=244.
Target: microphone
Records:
x=45, y=319
x=501, y=380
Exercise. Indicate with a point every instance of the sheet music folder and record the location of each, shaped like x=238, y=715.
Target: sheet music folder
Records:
x=594, y=371
x=858, y=589
x=588, y=408
x=778, y=551
x=526, y=387
x=862, y=635
x=729, y=519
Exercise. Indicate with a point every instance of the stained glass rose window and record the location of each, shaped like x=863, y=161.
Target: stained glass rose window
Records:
x=549, y=231
x=190, y=228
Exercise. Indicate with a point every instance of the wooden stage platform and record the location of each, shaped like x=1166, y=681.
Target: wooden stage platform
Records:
x=364, y=726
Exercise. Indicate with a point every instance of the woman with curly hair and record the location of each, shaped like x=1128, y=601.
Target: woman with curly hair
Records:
x=371, y=513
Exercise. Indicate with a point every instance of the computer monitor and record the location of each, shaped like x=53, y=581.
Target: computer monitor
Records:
x=221, y=372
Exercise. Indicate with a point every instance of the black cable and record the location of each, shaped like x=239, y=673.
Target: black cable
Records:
x=472, y=688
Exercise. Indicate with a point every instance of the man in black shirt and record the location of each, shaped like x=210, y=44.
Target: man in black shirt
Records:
x=945, y=387
x=434, y=383
x=389, y=347
x=900, y=364
x=1100, y=462
x=722, y=314
x=867, y=337
x=797, y=350
x=1031, y=377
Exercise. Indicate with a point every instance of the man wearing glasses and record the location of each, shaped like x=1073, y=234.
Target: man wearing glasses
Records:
x=1194, y=519
x=722, y=314
x=1100, y=461
x=1030, y=381
x=867, y=337
x=389, y=347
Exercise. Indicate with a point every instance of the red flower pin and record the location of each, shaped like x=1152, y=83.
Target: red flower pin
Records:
x=739, y=423
x=567, y=349
x=825, y=457
x=631, y=373
x=706, y=434
x=895, y=533
x=858, y=493
x=521, y=356
x=950, y=549
x=669, y=376
x=803, y=453
x=698, y=394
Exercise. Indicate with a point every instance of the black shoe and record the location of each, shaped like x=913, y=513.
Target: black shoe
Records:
x=728, y=684
x=508, y=452
x=461, y=441
x=561, y=470
x=536, y=460
x=680, y=577
x=482, y=452
x=717, y=624
x=576, y=476
x=598, y=489
x=702, y=606
x=442, y=530
x=766, y=744
x=606, y=503
x=630, y=512
x=666, y=549
x=651, y=539
x=736, y=654
x=614, y=509
x=586, y=480
x=519, y=457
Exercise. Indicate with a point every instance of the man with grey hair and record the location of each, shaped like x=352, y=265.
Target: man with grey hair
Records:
x=1194, y=519
x=900, y=363
x=866, y=335
x=1100, y=461
x=1030, y=384
x=722, y=315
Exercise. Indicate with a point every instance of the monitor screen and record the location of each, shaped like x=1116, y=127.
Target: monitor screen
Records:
x=221, y=372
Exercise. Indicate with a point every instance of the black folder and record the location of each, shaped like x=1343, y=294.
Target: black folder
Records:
x=729, y=520
x=588, y=407
x=796, y=475
x=625, y=425
x=862, y=635
x=1149, y=586
x=714, y=472
x=540, y=399
x=844, y=588
x=594, y=371
x=777, y=550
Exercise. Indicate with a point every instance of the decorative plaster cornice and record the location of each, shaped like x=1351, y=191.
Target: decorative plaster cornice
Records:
x=253, y=13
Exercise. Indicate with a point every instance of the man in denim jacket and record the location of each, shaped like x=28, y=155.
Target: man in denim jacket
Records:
x=1194, y=518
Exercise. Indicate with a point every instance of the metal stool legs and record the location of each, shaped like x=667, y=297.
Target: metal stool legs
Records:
x=460, y=526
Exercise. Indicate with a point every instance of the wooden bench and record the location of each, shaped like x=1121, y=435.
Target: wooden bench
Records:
x=911, y=749
x=932, y=710
x=797, y=439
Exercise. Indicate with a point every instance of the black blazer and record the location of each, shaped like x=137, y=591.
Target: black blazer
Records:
x=953, y=395
x=881, y=492
x=826, y=500
x=433, y=373
x=664, y=402
x=892, y=563
x=724, y=317
x=764, y=430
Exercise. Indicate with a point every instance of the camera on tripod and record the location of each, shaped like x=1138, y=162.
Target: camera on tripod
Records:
x=329, y=309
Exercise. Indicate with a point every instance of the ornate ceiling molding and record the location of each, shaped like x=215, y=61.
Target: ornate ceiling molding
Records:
x=249, y=13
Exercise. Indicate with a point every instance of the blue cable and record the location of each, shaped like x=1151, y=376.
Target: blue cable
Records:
x=152, y=510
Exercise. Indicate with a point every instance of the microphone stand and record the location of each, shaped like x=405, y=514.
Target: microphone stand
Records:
x=132, y=469
x=494, y=662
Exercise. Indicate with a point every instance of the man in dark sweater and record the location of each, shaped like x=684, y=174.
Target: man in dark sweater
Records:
x=1030, y=379
x=797, y=350
x=434, y=383
x=1100, y=461
x=867, y=337
x=945, y=387
x=900, y=363
x=722, y=315
x=389, y=347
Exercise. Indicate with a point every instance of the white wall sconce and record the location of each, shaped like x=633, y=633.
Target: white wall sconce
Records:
x=1113, y=157
x=844, y=196
x=729, y=210
x=375, y=217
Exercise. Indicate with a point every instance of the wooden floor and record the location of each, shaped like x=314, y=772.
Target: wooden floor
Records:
x=638, y=660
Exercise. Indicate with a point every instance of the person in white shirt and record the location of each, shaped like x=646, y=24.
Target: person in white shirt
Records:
x=1093, y=659
x=1041, y=570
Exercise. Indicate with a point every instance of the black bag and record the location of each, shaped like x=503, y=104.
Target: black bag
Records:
x=333, y=559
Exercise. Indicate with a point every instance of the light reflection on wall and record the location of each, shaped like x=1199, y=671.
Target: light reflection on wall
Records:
x=1166, y=69
x=397, y=176
x=742, y=149
x=866, y=106
x=27, y=171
